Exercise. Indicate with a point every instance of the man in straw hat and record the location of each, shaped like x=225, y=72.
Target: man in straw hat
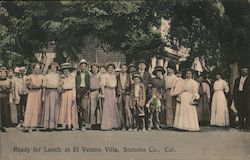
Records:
x=82, y=92
x=21, y=93
x=146, y=80
x=241, y=95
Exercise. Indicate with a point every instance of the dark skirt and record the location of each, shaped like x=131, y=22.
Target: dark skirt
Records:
x=5, y=119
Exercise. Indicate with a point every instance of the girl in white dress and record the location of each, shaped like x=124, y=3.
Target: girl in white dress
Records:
x=219, y=109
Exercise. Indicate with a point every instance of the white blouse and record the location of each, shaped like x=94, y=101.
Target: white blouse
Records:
x=109, y=80
x=51, y=80
x=221, y=85
x=191, y=86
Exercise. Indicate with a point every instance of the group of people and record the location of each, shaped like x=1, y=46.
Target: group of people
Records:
x=99, y=97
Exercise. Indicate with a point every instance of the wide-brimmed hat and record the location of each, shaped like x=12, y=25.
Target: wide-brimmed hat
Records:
x=83, y=61
x=66, y=66
x=137, y=75
x=131, y=65
x=244, y=69
x=118, y=69
x=158, y=68
x=17, y=70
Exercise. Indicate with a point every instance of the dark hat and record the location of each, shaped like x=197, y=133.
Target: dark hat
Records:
x=171, y=65
x=158, y=68
x=136, y=75
x=67, y=66
x=141, y=61
x=131, y=65
x=178, y=72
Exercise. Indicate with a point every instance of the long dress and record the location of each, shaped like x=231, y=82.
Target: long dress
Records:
x=110, y=117
x=170, y=106
x=94, y=96
x=33, y=112
x=219, y=109
x=68, y=110
x=203, y=109
x=13, y=106
x=52, y=100
x=5, y=115
x=186, y=114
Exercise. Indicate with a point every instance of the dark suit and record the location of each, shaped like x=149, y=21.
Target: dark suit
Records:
x=123, y=101
x=242, y=102
x=82, y=98
x=147, y=82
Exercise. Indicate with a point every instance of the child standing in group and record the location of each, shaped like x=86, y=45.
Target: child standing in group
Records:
x=137, y=102
x=154, y=108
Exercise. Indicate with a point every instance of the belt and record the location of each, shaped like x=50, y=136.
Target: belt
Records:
x=110, y=87
x=92, y=90
x=35, y=88
x=67, y=89
x=50, y=88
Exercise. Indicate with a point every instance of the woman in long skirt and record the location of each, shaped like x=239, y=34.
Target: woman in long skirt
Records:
x=5, y=89
x=68, y=111
x=13, y=106
x=219, y=109
x=203, y=108
x=110, y=117
x=51, y=99
x=186, y=114
x=33, y=112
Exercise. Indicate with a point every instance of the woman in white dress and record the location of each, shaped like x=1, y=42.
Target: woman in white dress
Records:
x=186, y=117
x=219, y=109
x=110, y=115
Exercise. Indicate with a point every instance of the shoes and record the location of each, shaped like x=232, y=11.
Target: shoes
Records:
x=19, y=125
x=83, y=129
x=3, y=130
x=30, y=130
x=73, y=129
x=123, y=129
x=129, y=129
x=143, y=129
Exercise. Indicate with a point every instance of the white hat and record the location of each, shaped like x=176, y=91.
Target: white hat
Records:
x=83, y=61
x=17, y=70
x=23, y=68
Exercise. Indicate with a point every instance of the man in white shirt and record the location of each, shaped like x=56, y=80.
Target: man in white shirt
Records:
x=123, y=89
x=241, y=96
x=82, y=94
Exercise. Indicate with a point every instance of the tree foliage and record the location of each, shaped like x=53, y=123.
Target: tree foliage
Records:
x=217, y=30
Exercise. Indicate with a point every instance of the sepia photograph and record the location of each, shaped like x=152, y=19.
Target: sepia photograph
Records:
x=125, y=80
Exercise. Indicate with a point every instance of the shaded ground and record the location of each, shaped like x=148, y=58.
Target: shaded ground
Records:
x=210, y=144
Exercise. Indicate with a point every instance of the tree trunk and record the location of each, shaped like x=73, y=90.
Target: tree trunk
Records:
x=234, y=73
